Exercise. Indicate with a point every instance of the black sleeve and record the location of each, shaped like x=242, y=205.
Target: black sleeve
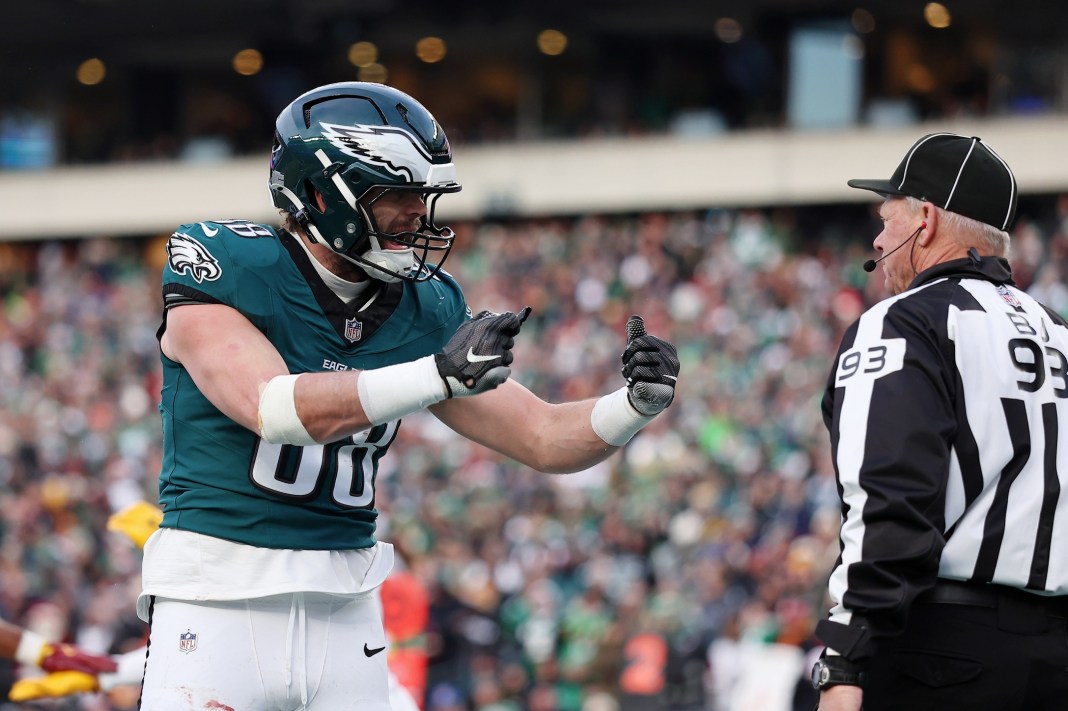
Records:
x=181, y=295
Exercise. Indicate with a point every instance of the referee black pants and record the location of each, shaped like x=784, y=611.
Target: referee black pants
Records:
x=982, y=648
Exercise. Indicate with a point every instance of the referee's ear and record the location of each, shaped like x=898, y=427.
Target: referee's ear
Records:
x=927, y=218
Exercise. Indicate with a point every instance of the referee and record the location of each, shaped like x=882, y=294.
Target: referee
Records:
x=948, y=419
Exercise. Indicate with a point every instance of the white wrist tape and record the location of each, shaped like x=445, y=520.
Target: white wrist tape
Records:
x=390, y=393
x=615, y=420
x=279, y=422
x=31, y=645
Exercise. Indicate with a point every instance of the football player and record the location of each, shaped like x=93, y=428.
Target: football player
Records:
x=290, y=356
x=32, y=650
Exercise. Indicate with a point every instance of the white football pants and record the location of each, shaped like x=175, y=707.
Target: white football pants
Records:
x=293, y=652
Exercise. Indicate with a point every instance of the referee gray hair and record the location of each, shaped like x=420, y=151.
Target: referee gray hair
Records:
x=988, y=238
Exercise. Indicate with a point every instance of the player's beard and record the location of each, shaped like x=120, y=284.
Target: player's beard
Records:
x=384, y=263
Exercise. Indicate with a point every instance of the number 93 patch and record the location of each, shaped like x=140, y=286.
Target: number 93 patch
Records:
x=870, y=361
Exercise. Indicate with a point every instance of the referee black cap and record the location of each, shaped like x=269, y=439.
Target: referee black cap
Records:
x=960, y=174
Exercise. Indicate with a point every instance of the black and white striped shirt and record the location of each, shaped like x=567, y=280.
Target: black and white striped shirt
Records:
x=947, y=409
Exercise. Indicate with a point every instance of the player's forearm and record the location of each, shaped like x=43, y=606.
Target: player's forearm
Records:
x=329, y=406
x=556, y=439
x=567, y=441
x=314, y=408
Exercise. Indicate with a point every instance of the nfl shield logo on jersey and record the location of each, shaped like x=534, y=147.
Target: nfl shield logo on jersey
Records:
x=1009, y=297
x=353, y=329
x=187, y=641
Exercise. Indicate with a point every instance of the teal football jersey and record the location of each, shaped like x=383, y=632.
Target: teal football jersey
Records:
x=219, y=478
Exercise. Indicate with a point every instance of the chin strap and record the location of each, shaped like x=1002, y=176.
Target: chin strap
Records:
x=388, y=264
x=300, y=213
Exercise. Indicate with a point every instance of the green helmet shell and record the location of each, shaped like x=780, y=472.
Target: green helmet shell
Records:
x=343, y=140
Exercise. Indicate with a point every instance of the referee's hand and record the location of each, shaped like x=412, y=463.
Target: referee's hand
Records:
x=841, y=698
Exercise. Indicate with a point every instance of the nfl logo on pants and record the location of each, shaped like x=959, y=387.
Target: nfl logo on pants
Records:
x=187, y=641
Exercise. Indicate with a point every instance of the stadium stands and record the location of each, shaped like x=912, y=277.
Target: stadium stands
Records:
x=711, y=533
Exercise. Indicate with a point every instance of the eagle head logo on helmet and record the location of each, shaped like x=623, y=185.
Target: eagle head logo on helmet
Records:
x=338, y=149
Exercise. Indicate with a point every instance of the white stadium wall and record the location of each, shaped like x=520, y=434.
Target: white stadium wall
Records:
x=752, y=168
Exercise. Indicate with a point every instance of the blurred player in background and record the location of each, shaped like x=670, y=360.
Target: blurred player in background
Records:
x=289, y=357
x=80, y=672
x=137, y=522
x=32, y=650
x=404, y=598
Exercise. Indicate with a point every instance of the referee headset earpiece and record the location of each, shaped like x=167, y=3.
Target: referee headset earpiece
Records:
x=869, y=266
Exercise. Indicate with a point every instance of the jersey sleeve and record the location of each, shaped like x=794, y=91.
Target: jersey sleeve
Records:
x=442, y=302
x=890, y=410
x=199, y=266
x=454, y=295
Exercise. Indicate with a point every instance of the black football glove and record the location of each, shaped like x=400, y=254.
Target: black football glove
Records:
x=651, y=367
x=477, y=357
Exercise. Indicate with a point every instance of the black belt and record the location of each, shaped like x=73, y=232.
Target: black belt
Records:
x=956, y=592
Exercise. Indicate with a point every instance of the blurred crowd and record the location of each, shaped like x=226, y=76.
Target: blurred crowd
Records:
x=628, y=586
